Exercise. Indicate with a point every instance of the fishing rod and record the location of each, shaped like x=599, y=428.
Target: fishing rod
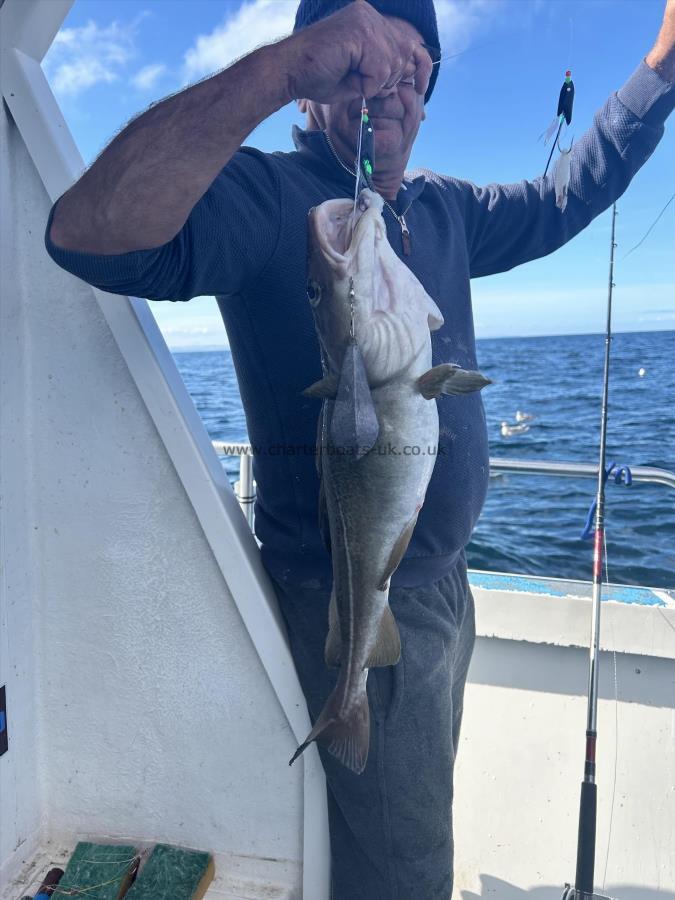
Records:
x=585, y=874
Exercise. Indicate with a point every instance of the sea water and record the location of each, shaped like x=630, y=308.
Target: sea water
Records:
x=532, y=524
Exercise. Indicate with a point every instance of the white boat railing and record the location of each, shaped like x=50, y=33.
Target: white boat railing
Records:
x=645, y=474
x=244, y=488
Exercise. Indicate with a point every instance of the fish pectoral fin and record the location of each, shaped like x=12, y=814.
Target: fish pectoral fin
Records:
x=354, y=427
x=333, y=650
x=398, y=551
x=450, y=379
x=344, y=732
x=387, y=649
x=325, y=388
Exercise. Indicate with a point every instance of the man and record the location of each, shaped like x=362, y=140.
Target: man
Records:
x=173, y=209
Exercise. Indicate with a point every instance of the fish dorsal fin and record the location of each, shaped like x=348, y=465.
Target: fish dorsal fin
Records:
x=354, y=427
x=398, y=551
x=334, y=640
x=387, y=649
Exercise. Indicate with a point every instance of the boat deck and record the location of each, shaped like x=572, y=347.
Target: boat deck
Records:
x=515, y=612
x=273, y=880
x=562, y=587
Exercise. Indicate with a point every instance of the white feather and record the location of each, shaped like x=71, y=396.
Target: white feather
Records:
x=550, y=131
x=561, y=179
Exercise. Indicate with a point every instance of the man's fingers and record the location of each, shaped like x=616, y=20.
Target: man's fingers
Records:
x=351, y=86
x=423, y=68
x=391, y=58
x=375, y=74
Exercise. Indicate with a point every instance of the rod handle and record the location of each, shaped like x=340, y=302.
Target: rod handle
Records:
x=586, y=844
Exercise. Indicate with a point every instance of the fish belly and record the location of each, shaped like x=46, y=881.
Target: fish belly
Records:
x=371, y=502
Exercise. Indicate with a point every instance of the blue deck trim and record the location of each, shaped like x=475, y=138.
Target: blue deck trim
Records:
x=526, y=584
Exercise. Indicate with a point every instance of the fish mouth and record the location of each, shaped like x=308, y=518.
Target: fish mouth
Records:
x=338, y=228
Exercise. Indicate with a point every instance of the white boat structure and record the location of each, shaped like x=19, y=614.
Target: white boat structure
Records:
x=150, y=692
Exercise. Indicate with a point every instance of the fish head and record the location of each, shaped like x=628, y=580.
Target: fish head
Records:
x=342, y=248
x=355, y=278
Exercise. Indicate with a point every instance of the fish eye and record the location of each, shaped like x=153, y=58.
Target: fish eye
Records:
x=313, y=292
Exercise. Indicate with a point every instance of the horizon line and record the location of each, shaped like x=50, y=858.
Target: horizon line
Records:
x=213, y=348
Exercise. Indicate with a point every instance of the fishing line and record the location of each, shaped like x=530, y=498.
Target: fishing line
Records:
x=106, y=862
x=358, y=160
x=660, y=612
x=557, y=144
x=447, y=56
x=616, y=760
x=616, y=728
x=650, y=228
x=565, y=105
x=86, y=891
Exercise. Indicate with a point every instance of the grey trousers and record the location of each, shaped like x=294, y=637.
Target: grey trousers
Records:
x=391, y=827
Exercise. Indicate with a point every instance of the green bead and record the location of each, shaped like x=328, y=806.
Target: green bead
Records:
x=367, y=166
x=365, y=117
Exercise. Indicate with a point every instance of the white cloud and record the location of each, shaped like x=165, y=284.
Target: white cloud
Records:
x=191, y=325
x=89, y=54
x=84, y=56
x=147, y=77
x=459, y=20
x=255, y=23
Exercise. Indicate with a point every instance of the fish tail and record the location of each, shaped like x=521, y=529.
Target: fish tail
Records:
x=345, y=731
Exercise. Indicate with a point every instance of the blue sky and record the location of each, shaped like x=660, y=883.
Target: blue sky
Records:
x=112, y=58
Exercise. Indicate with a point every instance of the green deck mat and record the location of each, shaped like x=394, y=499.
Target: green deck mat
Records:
x=171, y=873
x=97, y=872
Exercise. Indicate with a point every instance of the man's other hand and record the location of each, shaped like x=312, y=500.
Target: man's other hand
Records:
x=662, y=56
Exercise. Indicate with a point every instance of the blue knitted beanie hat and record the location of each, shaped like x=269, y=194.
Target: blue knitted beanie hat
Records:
x=420, y=13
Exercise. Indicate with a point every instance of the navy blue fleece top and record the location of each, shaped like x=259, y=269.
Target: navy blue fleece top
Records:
x=245, y=242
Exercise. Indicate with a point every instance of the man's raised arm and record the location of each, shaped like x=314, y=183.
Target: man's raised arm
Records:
x=510, y=224
x=141, y=189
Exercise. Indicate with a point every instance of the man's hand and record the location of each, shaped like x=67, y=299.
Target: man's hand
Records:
x=661, y=57
x=352, y=53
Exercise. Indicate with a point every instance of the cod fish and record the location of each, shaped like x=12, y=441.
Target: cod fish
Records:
x=374, y=320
